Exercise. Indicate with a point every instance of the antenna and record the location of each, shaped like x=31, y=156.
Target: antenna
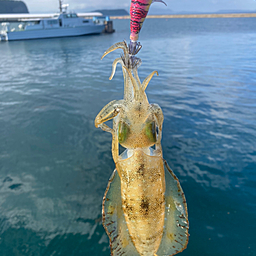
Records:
x=65, y=7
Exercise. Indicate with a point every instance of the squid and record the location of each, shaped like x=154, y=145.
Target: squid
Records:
x=144, y=208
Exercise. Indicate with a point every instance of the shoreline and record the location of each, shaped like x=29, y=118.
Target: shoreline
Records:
x=189, y=16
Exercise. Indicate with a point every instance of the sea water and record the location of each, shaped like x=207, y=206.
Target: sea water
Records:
x=55, y=165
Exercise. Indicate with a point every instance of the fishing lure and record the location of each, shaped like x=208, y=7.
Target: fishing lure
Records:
x=138, y=12
x=144, y=207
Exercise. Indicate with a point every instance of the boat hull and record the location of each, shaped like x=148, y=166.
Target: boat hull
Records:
x=54, y=32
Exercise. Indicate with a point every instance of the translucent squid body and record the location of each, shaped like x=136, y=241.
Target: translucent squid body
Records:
x=144, y=208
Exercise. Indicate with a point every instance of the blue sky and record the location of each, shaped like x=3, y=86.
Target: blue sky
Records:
x=40, y=6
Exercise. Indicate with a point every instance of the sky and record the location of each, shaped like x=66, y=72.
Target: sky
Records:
x=45, y=6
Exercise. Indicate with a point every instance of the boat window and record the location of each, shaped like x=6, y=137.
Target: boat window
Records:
x=52, y=22
x=85, y=21
x=70, y=15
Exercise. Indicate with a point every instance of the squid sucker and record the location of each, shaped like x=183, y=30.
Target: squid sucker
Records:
x=144, y=207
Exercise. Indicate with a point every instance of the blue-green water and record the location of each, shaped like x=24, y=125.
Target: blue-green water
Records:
x=55, y=165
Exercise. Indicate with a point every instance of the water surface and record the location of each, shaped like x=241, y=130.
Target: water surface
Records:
x=54, y=164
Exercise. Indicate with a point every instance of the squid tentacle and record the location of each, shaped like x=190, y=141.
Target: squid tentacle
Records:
x=135, y=72
x=147, y=80
x=115, y=62
x=134, y=84
x=120, y=45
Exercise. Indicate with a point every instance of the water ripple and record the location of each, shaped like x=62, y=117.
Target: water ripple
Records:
x=55, y=164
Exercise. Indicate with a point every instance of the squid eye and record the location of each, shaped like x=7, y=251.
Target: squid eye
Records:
x=123, y=131
x=150, y=131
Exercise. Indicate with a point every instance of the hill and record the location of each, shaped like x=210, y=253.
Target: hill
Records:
x=10, y=6
x=113, y=12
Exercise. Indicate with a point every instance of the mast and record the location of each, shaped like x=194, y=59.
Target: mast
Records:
x=60, y=5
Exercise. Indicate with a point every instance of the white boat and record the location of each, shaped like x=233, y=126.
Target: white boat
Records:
x=62, y=24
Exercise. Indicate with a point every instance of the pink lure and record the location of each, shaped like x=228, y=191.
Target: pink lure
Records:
x=138, y=11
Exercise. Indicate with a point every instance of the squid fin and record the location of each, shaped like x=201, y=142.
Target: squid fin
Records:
x=114, y=222
x=175, y=235
x=159, y=1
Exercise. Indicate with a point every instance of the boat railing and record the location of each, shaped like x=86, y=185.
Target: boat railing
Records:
x=100, y=20
x=3, y=35
x=5, y=27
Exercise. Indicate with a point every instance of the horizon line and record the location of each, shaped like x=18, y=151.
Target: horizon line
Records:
x=213, y=15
